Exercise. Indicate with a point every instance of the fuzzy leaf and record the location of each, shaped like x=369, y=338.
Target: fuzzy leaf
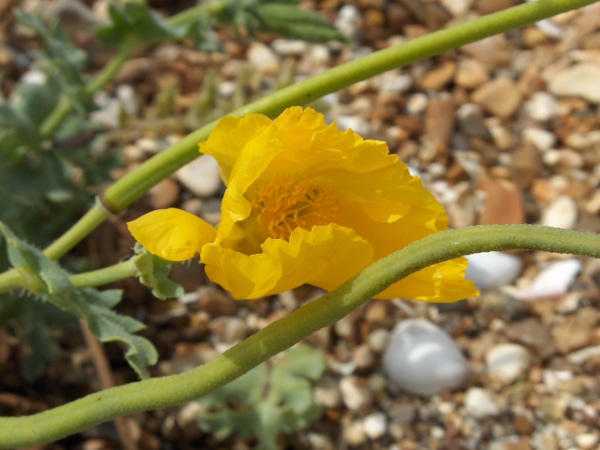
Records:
x=46, y=279
x=153, y=272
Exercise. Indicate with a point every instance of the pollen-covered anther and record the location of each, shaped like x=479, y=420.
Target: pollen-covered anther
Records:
x=286, y=202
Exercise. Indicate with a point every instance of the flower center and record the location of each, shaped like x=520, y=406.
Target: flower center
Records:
x=286, y=202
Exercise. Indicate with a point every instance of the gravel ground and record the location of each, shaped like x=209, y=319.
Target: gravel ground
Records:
x=503, y=131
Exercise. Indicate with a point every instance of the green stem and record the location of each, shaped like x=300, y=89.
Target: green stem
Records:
x=168, y=391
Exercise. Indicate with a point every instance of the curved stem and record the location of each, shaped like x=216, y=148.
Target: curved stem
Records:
x=168, y=391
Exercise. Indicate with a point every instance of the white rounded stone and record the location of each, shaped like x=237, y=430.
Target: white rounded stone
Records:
x=481, y=403
x=506, y=362
x=423, y=359
x=201, y=176
x=493, y=269
x=375, y=425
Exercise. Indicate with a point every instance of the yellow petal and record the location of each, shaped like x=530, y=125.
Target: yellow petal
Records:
x=326, y=256
x=172, y=234
x=440, y=283
x=229, y=138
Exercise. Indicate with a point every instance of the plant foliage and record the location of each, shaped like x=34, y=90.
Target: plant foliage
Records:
x=274, y=397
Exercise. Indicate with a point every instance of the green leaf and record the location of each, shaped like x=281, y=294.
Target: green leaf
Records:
x=134, y=21
x=153, y=272
x=268, y=400
x=292, y=22
x=46, y=279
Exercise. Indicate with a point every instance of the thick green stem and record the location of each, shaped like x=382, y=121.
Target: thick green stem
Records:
x=168, y=391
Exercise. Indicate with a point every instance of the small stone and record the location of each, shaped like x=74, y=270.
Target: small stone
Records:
x=164, y=194
x=471, y=74
x=532, y=333
x=364, y=357
x=457, y=7
x=417, y=103
x=579, y=80
x=378, y=339
x=201, y=176
x=541, y=139
x=289, y=47
x=576, y=331
x=506, y=362
x=481, y=403
x=587, y=440
x=263, y=59
x=440, y=76
x=581, y=356
x=500, y=97
x=561, y=213
x=354, y=433
x=470, y=122
x=542, y=107
x=356, y=393
x=348, y=21
x=357, y=124
x=422, y=359
x=375, y=425
x=503, y=202
x=327, y=393
x=493, y=269
x=493, y=51
x=552, y=281
x=393, y=82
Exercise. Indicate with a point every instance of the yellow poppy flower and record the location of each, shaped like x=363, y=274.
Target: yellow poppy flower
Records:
x=305, y=203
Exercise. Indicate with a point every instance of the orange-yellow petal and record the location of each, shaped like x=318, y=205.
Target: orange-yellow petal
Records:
x=229, y=138
x=172, y=234
x=441, y=283
x=326, y=256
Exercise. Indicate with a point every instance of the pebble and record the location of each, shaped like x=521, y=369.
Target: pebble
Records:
x=506, y=362
x=348, y=21
x=470, y=74
x=289, y=47
x=327, y=393
x=560, y=213
x=359, y=125
x=500, y=97
x=481, y=403
x=356, y=393
x=457, y=7
x=532, y=333
x=378, y=339
x=393, y=82
x=493, y=269
x=579, y=80
x=354, y=433
x=263, y=59
x=423, y=359
x=164, y=194
x=503, y=202
x=576, y=330
x=417, y=103
x=552, y=281
x=580, y=356
x=542, y=107
x=201, y=176
x=439, y=77
x=470, y=122
x=541, y=139
x=375, y=425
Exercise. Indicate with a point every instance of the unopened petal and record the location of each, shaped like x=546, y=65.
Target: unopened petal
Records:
x=172, y=234
x=326, y=256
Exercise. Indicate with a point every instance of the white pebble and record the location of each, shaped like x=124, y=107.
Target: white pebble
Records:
x=422, y=359
x=541, y=139
x=201, y=176
x=506, y=362
x=542, y=107
x=375, y=425
x=358, y=125
x=552, y=281
x=481, y=403
x=289, y=47
x=263, y=58
x=561, y=213
x=493, y=269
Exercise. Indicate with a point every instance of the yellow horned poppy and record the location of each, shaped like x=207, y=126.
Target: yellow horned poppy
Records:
x=305, y=203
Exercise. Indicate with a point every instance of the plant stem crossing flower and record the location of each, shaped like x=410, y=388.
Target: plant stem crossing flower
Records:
x=305, y=203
